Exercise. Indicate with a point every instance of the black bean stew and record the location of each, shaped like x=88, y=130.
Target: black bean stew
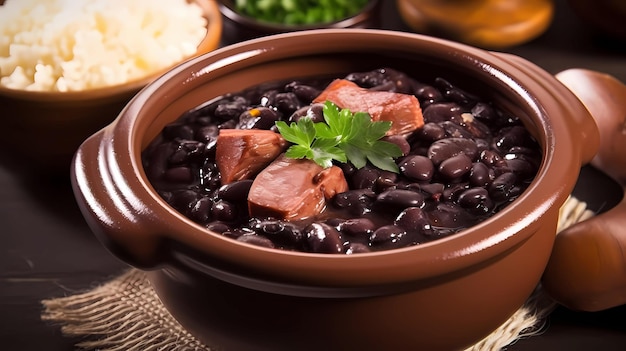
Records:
x=467, y=162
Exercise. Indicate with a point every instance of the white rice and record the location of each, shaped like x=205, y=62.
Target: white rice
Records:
x=71, y=45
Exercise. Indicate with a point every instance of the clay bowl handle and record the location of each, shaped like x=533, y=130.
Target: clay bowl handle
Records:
x=106, y=195
x=587, y=269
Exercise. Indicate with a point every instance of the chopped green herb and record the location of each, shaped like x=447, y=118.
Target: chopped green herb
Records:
x=294, y=12
x=344, y=136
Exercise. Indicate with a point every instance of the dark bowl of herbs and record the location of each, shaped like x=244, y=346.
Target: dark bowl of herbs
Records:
x=246, y=19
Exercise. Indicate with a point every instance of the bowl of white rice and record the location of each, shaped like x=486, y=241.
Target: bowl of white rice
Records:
x=67, y=68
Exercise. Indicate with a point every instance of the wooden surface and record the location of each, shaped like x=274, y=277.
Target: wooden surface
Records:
x=46, y=249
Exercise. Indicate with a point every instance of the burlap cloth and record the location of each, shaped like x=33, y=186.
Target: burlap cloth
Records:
x=126, y=314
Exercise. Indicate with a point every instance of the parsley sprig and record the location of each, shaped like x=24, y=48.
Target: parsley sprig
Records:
x=345, y=136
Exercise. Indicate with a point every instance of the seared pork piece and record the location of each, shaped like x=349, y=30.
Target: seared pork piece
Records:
x=403, y=110
x=294, y=189
x=242, y=153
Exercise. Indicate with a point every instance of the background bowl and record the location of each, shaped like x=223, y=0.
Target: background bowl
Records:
x=493, y=24
x=42, y=130
x=238, y=27
x=443, y=295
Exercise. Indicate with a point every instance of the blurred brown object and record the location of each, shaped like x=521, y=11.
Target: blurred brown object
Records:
x=492, y=24
x=607, y=17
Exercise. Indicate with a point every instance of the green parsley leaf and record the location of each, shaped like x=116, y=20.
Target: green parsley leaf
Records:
x=344, y=136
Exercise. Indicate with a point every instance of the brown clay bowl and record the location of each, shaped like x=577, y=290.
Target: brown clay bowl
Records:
x=444, y=295
x=42, y=130
x=239, y=27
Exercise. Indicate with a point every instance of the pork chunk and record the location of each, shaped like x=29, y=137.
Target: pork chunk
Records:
x=294, y=189
x=242, y=153
x=403, y=110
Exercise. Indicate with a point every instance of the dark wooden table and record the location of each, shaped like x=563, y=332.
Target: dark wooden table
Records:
x=46, y=249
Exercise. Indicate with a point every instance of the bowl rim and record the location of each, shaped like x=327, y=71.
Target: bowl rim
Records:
x=229, y=12
x=210, y=42
x=465, y=249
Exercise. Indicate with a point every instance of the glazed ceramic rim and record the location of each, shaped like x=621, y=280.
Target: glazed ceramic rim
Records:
x=268, y=27
x=248, y=264
x=210, y=41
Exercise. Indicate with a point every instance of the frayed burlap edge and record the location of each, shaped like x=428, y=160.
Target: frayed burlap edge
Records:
x=125, y=313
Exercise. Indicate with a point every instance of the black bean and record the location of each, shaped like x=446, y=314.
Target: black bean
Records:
x=452, y=192
x=481, y=175
x=235, y=192
x=511, y=137
x=490, y=158
x=365, y=178
x=454, y=130
x=385, y=181
x=398, y=199
x=427, y=95
x=224, y=211
x=414, y=219
x=367, y=79
x=315, y=112
x=348, y=169
x=449, y=215
x=390, y=237
x=455, y=167
x=357, y=202
x=431, y=132
x=178, y=157
x=267, y=98
x=210, y=176
x=258, y=118
x=434, y=190
x=526, y=151
x=236, y=232
x=358, y=227
x=454, y=93
x=443, y=149
x=442, y=111
x=385, y=86
x=257, y=240
x=519, y=166
x=200, y=211
x=476, y=201
x=181, y=200
x=476, y=128
x=232, y=109
x=335, y=222
x=217, y=227
x=305, y=92
x=281, y=233
x=481, y=144
x=503, y=186
x=355, y=248
x=416, y=167
x=188, y=151
x=484, y=112
x=387, y=234
x=402, y=83
x=322, y=238
x=287, y=103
